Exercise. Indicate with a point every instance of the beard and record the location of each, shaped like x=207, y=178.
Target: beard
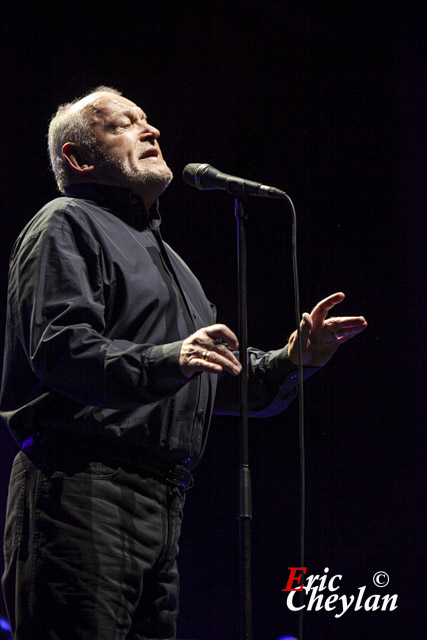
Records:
x=143, y=180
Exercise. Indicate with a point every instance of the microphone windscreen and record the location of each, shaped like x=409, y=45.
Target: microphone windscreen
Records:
x=190, y=171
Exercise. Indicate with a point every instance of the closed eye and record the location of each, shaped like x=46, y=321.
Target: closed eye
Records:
x=116, y=125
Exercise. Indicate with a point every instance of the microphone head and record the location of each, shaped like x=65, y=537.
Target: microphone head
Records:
x=192, y=172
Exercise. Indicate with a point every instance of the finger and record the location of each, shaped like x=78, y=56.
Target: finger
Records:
x=344, y=325
x=201, y=364
x=214, y=362
x=344, y=334
x=221, y=354
x=227, y=361
x=320, y=311
x=345, y=320
x=222, y=332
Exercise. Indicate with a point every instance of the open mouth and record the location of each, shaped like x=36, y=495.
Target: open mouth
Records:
x=152, y=153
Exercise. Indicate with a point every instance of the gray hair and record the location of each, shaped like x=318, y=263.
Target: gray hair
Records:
x=71, y=125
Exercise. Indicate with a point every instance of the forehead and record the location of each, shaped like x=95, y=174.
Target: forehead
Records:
x=103, y=106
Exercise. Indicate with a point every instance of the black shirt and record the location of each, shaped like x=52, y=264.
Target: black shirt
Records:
x=98, y=307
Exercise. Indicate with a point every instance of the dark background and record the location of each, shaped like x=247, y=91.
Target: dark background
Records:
x=325, y=100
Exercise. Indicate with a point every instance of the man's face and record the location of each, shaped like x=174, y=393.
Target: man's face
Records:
x=128, y=153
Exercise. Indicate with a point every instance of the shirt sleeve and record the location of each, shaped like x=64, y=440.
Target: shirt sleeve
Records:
x=272, y=384
x=58, y=310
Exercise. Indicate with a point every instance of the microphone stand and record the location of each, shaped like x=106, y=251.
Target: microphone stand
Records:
x=245, y=490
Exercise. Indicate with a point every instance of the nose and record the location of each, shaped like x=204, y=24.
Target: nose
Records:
x=148, y=131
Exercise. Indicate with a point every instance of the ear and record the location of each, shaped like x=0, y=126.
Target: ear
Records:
x=75, y=157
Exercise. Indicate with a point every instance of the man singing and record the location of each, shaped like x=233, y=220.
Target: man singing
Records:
x=112, y=360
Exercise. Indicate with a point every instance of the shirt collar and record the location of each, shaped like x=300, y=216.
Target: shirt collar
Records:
x=120, y=201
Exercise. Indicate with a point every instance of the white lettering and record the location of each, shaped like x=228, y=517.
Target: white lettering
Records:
x=387, y=599
x=323, y=580
x=331, y=583
x=315, y=600
x=329, y=600
x=310, y=581
x=345, y=606
x=290, y=604
x=358, y=604
x=318, y=601
x=374, y=606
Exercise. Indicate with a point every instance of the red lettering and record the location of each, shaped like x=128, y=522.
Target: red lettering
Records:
x=293, y=578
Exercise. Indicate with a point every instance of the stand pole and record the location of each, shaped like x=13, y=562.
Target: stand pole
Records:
x=245, y=491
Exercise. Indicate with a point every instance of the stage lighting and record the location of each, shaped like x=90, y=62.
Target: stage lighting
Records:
x=5, y=630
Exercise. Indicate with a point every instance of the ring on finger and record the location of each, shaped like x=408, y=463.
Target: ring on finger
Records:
x=205, y=355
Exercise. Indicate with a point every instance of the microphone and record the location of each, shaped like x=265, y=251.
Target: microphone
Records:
x=205, y=177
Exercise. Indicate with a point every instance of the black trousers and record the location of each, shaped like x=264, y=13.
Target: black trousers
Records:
x=90, y=550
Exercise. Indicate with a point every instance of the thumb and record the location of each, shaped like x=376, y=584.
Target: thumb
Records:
x=305, y=326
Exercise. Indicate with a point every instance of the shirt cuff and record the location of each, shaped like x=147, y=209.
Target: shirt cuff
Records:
x=286, y=393
x=282, y=368
x=164, y=369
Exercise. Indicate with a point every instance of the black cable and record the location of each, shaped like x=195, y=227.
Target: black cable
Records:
x=300, y=404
